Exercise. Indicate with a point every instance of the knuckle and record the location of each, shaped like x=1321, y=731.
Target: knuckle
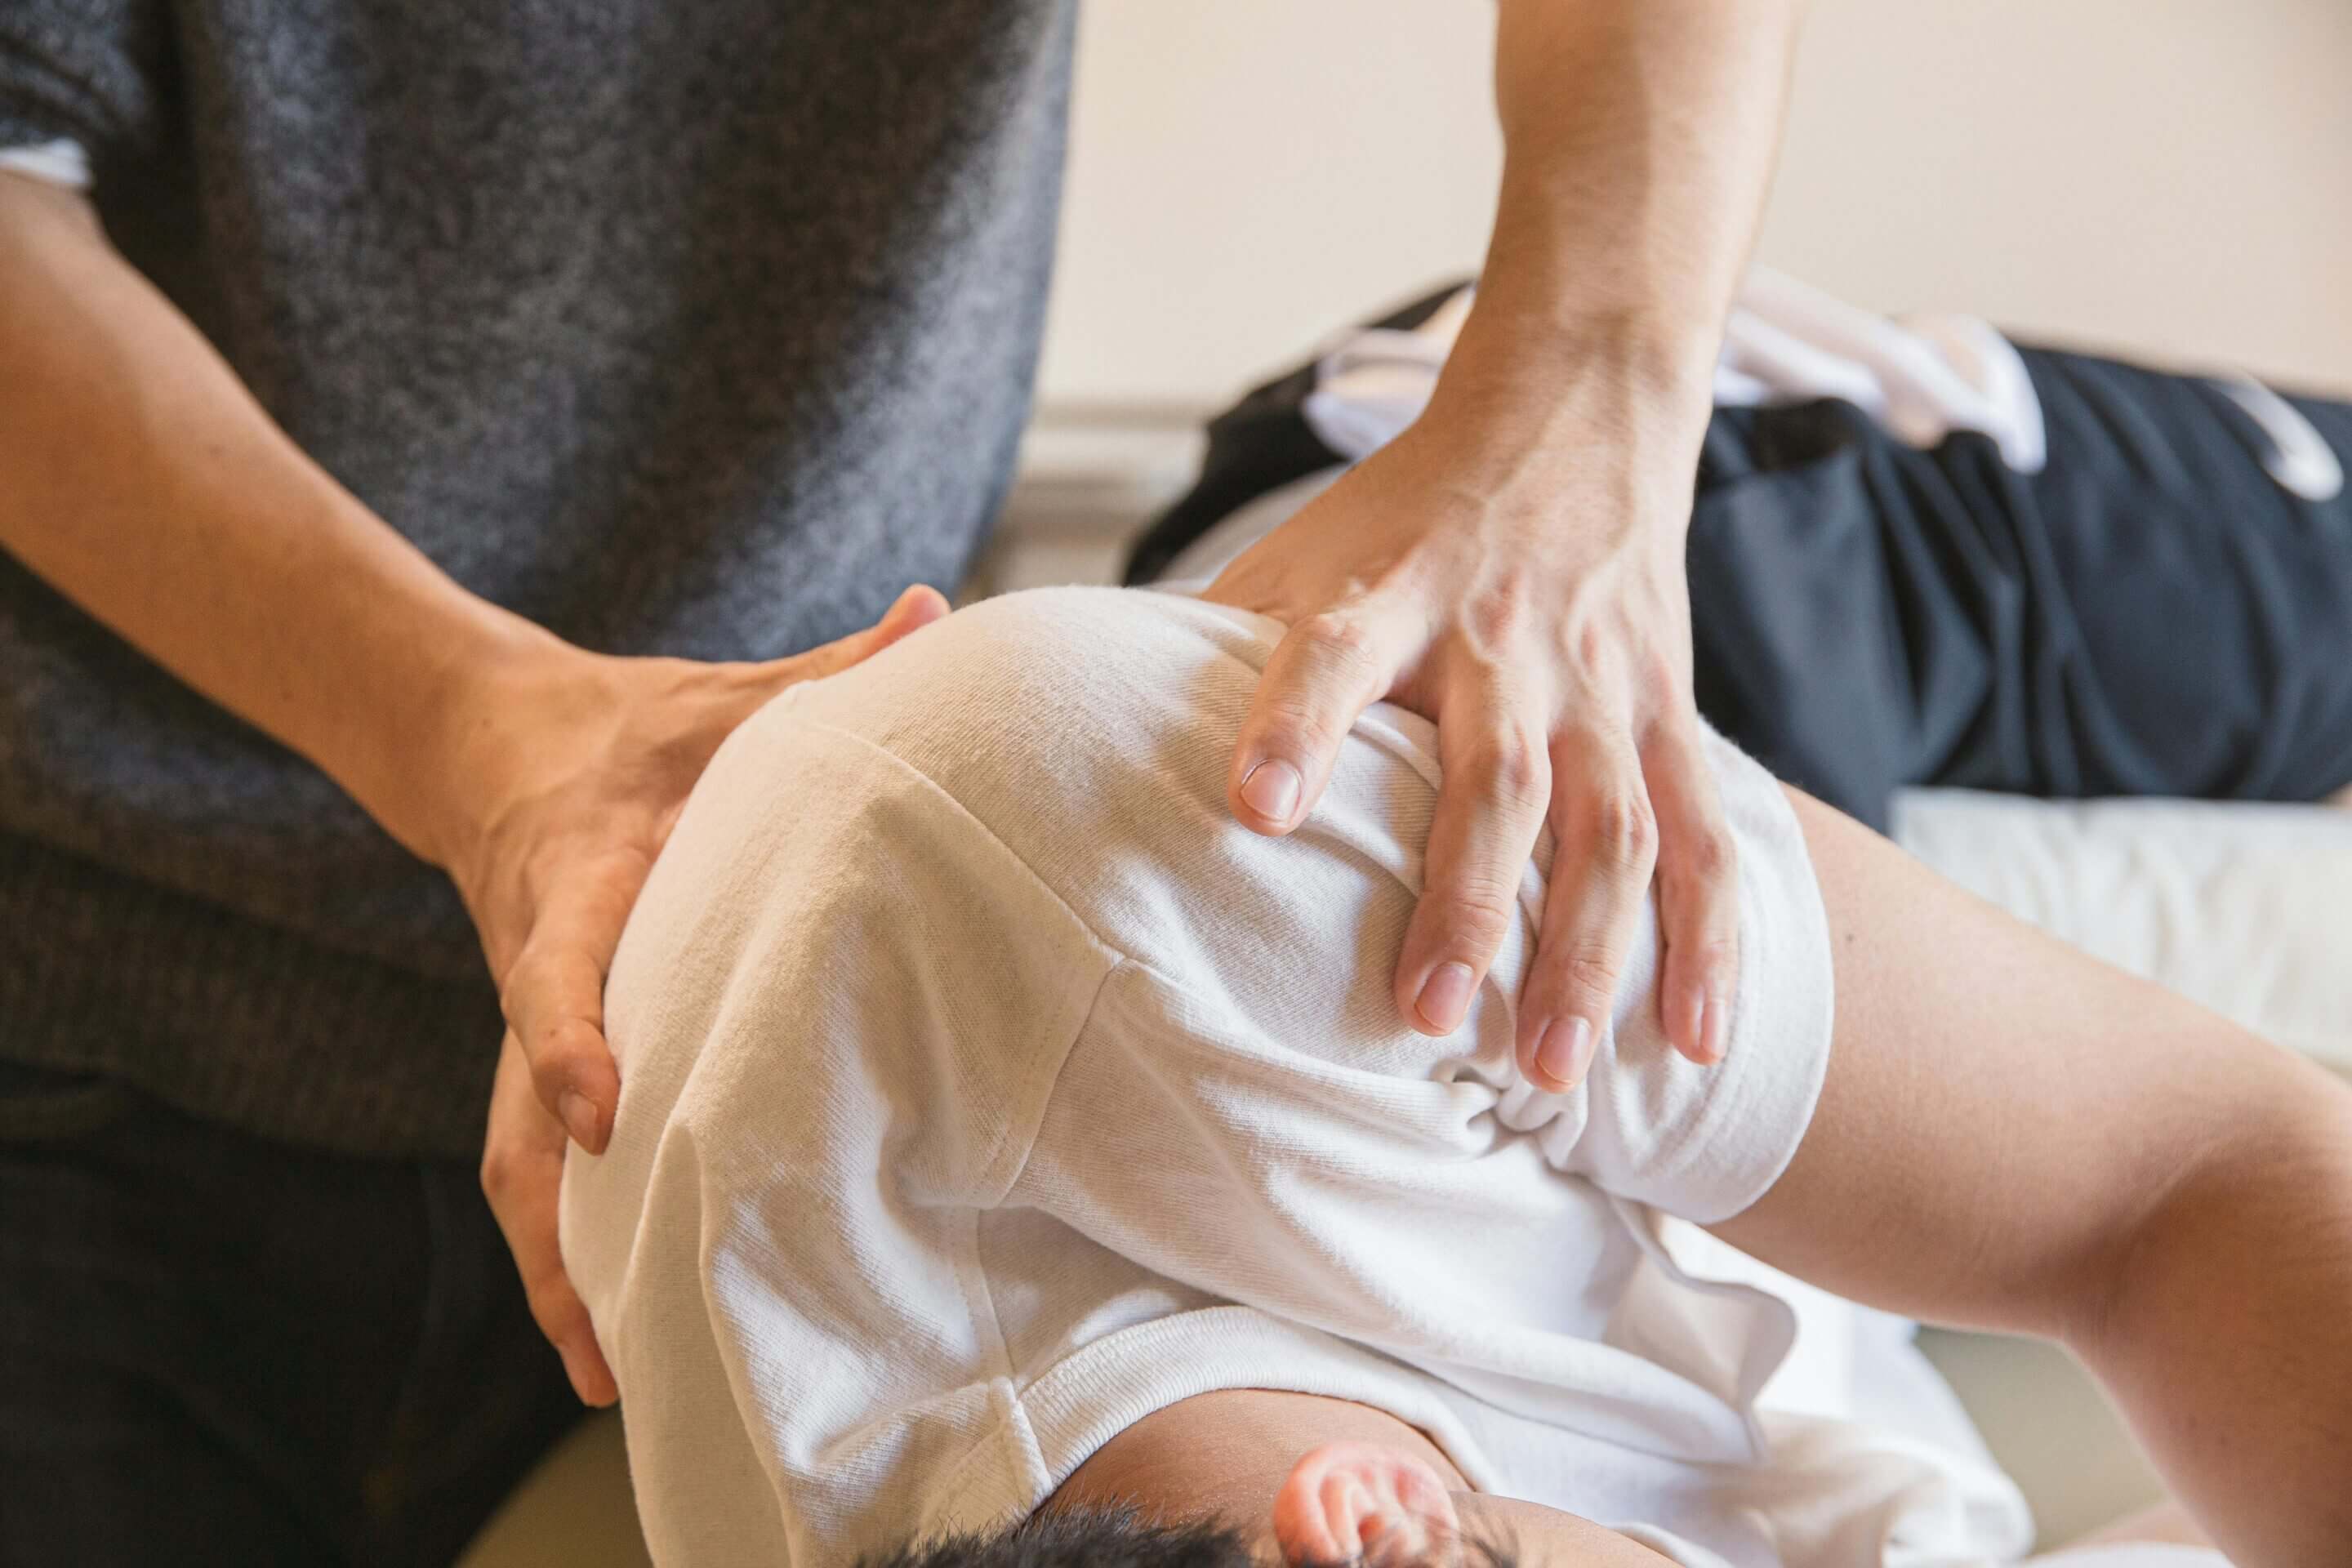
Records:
x=555, y=1044
x=1707, y=856
x=498, y=1174
x=1332, y=632
x=1472, y=913
x=1625, y=832
x=1657, y=673
x=534, y=971
x=1510, y=770
x=1341, y=645
x=1711, y=956
x=1502, y=612
x=1294, y=728
x=1589, y=978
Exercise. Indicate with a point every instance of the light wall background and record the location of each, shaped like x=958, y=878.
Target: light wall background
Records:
x=2169, y=177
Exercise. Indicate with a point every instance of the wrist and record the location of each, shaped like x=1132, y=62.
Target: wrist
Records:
x=1638, y=367
x=430, y=772
x=1591, y=415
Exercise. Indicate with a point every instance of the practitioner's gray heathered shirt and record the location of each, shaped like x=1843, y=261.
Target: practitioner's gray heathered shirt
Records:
x=681, y=328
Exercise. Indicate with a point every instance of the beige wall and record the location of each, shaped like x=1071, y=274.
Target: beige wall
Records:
x=2173, y=176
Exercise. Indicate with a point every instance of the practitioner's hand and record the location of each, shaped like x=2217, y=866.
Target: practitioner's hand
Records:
x=570, y=778
x=1530, y=601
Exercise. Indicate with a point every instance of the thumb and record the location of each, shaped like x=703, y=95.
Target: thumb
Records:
x=916, y=608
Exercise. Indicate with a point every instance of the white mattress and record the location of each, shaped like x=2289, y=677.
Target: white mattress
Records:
x=2246, y=909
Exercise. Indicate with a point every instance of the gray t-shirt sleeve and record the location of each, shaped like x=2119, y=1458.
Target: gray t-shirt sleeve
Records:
x=94, y=73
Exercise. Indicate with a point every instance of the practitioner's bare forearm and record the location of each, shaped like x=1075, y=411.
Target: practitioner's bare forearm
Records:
x=1639, y=138
x=2015, y=1137
x=142, y=481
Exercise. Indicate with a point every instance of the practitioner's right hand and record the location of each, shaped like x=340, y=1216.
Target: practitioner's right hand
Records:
x=570, y=777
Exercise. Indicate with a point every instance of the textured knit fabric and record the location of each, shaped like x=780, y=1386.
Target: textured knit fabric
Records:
x=695, y=330
x=986, y=1087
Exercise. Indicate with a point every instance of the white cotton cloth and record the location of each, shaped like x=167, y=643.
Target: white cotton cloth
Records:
x=60, y=163
x=986, y=1088
x=1921, y=378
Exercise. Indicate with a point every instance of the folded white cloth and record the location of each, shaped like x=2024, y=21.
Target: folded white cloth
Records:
x=1921, y=377
x=1786, y=342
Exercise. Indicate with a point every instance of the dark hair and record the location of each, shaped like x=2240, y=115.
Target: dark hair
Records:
x=1121, y=1538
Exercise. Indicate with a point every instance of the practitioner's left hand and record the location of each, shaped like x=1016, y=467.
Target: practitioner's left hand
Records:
x=1529, y=598
x=569, y=780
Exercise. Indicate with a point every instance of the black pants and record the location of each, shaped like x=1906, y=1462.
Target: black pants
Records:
x=219, y=1349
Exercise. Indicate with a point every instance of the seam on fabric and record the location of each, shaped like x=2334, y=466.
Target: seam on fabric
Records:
x=937, y=788
x=1061, y=1063
x=1047, y=1072
x=1012, y=1430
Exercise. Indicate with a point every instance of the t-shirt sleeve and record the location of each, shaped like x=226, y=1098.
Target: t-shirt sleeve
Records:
x=838, y=1010
x=95, y=74
x=1705, y=1143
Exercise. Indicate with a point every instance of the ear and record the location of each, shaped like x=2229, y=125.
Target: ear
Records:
x=1346, y=1501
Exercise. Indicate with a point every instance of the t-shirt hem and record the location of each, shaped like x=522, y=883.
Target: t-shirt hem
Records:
x=1786, y=998
x=1090, y=1396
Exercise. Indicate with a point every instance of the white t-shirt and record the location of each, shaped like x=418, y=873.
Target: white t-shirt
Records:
x=987, y=1088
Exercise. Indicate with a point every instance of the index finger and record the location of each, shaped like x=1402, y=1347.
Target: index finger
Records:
x=1326, y=670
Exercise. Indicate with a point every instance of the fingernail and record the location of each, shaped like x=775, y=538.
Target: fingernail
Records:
x=591, y=1388
x=1715, y=1030
x=1693, y=1020
x=1445, y=996
x=579, y=1118
x=1565, y=1052
x=1271, y=790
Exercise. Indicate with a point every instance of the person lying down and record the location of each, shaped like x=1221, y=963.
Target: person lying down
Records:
x=1018, y=1161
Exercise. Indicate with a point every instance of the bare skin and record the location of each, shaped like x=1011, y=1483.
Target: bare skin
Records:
x=2012, y=1137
